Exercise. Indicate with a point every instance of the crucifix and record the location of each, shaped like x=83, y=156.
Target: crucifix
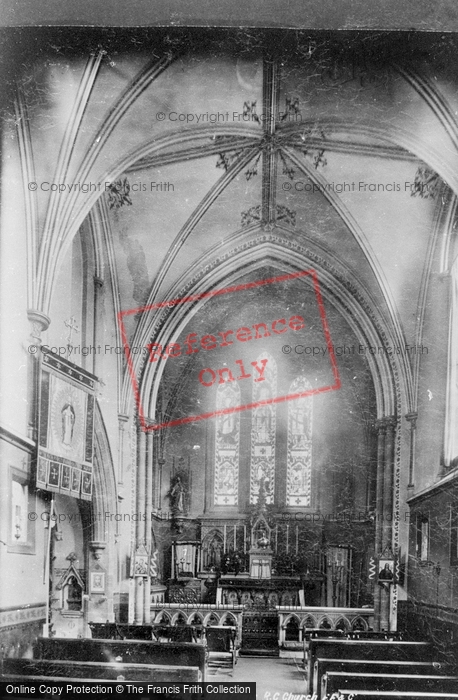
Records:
x=72, y=326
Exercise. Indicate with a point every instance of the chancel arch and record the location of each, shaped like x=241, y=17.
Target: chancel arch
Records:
x=304, y=473
x=391, y=372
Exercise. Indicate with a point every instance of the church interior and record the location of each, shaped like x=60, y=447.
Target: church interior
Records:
x=229, y=346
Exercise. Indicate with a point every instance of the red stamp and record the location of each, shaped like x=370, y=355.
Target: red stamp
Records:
x=242, y=337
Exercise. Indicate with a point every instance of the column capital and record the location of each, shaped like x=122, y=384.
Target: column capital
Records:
x=40, y=323
x=380, y=425
x=97, y=547
x=98, y=282
x=412, y=418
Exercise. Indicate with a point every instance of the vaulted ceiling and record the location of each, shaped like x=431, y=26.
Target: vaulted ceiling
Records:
x=215, y=140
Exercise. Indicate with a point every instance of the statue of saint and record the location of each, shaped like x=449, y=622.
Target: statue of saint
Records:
x=177, y=495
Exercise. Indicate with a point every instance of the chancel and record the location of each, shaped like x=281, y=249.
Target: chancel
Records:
x=228, y=420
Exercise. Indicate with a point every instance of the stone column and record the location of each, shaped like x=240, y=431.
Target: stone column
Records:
x=40, y=323
x=148, y=509
x=387, y=530
x=380, y=427
x=97, y=365
x=412, y=418
x=122, y=420
x=140, y=523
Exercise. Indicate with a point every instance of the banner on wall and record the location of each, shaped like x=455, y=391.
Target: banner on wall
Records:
x=65, y=428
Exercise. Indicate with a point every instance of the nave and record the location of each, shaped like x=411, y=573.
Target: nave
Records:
x=230, y=348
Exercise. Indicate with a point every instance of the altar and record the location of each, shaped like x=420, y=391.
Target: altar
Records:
x=259, y=593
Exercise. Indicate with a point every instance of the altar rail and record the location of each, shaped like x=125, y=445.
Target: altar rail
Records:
x=302, y=618
x=198, y=614
x=345, y=619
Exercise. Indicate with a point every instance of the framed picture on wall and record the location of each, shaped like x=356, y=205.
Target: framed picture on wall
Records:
x=97, y=582
x=386, y=571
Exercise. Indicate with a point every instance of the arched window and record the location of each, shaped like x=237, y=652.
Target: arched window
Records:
x=263, y=428
x=227, y=446
x=299, y=461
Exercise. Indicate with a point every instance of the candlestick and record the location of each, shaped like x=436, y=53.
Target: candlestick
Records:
x=224, y=538
x=297, y=538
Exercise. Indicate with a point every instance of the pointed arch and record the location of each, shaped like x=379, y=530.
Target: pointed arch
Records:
x=325, y=623
x=359, y=624
x=342, y=624
x=195, y=618
x=211, y=619
x=309, y=622
x=162, y=617
x=228, y=619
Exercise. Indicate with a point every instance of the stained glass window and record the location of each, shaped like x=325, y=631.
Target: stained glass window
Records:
x=299, y=460
x=263, y=428
x=227, y=446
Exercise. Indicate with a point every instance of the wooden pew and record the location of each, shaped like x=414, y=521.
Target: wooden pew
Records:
x=15, y=668
x=105, y=630
x=364, y=649
x=115, y=630
x=139, y=632
x=336, y=681
x=318, y=634
x=176, y=633
x=124, y=651
x=182, y=633
x=322, y=666
x=370, y=634
x=221, y=646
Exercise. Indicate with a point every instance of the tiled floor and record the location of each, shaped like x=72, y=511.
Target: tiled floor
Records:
x=271, y=675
